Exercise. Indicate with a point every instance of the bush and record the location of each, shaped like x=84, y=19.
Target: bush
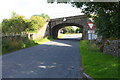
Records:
x=13, y=44
x=80, y=30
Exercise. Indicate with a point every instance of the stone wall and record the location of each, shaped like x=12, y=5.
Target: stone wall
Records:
x=14, y=36
x=112, y=47
x=41, y=33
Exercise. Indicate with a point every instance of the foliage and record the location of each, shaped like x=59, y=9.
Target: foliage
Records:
x=68, y=29
x=107, y=25
x=18, y=24
x=79, y=30
x=37, y=22
x=97, y=64
x=106, y=17
x=0, y=27
x=43, y=40
x=10, y=45
x=45, y=16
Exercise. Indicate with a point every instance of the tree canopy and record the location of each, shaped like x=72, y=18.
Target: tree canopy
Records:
x=37, y=22
x=80, y=30
x=45, y=16
x=68, y=29
x=18, y=24
x=106, y=17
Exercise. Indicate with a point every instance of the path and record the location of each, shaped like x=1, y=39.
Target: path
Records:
x=54, y=59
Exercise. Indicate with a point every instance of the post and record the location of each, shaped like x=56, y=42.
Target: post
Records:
x=91, y=38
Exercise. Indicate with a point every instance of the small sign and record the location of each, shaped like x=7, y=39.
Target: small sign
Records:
x=91, y=31
x=90, y=25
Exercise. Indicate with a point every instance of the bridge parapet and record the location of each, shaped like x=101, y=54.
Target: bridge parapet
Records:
x=80, y=19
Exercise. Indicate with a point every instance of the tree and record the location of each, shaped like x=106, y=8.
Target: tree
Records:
x=79, y=30
x=37, y=22
x=45, y=16
x=106, y=17
x=16, y=24
x=68, y=29
x=0, y=27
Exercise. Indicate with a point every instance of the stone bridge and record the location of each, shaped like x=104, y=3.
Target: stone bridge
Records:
x=58, y=23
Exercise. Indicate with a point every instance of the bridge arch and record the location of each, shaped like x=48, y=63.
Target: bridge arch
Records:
x=57, y=23
x=57, y=27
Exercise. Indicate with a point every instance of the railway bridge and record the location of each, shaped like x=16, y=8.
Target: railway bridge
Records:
x=56, y=24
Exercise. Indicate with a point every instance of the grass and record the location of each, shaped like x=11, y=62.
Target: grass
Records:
x=97, y=64
x=11, y=45
x=60, y=35
x=43, y=40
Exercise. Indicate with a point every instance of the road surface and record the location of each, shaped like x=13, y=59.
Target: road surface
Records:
x=54, y=59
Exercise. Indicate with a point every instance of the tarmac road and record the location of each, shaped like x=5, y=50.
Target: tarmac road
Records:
x=55, y=59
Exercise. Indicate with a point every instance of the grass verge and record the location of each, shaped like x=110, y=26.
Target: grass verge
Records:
x=97, y=64
x=40, y=41
x=10, y=45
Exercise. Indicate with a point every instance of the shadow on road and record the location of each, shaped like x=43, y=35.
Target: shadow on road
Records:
x=55, y=59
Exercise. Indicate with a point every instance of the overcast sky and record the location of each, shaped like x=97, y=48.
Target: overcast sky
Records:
x=32, y=7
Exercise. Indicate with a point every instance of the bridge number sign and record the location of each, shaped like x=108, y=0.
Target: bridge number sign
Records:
x=90, y=25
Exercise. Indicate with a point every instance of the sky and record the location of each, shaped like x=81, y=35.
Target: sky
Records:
x=32, y=7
